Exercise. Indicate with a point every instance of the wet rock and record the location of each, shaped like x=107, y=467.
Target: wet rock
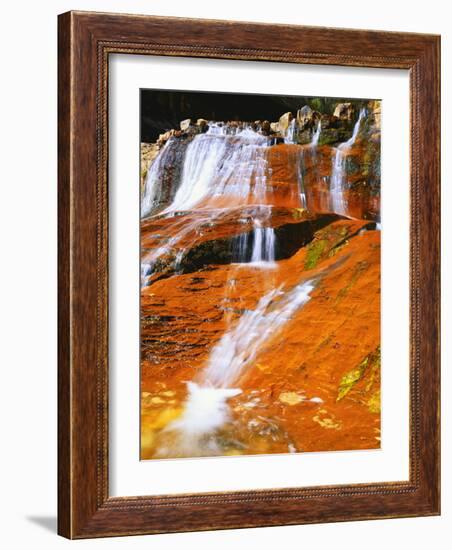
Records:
x=185, y=124
x=266, y=127
x=291, y=398
x=374, y=108
x=344, y=111
x=202, y=123
x=305, y=117
x=167, y=173
x=284, y=122
x=149, y=152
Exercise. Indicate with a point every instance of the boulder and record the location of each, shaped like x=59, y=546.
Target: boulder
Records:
x=284, y=122
x=266, y=127
x=375, y=109
x=274, y=127
x=305, y=116
x=344, y=111
x=185, y=124
x=202, y=123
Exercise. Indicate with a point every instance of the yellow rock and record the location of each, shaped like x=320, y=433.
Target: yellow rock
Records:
x=157, y=400
x=168, y=393
x=374, y=403
x=147, y=439
x=291, y=398
x=327, y=423
x=165, y=417
x=233, y=452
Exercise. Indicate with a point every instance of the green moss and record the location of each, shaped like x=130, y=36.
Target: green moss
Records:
x=359, y=269
x=350, y=379
x=314, y=253
x=298, y=213
x=374, y=403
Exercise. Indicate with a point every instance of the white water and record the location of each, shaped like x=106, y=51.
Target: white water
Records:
x=153, y=184
x=291, y=130
x=264, y=244
x=239, y=346
x=218, y=163
x=223, y=162
x=338, y=174
x=206, y=409
x=316, y=135
x=193, y=433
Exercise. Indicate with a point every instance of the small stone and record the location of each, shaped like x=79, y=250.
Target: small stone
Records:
x=291, y=398
x=185, y=124
x=284, y=122
x=157, y=400
x=316, y=400
x=305, y=116
x=265, y=126
x=344, y=111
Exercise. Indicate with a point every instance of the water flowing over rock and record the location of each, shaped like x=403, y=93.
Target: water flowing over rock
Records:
x=305, y=116
x=238, y=348
x=260, y=286
x=284, y=122
x=163, y=177
x=338, y=204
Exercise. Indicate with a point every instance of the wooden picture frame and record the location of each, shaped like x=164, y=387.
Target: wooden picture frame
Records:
x=86, y=40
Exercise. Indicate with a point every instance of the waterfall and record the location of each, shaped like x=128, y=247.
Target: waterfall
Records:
x=351, y=141
x=316, y=135
x=264, y=244
x=291, y=131
x=338, y=204
x=238, y=347
x=337, y=180
x=218, y=163
x=154, y=185
x=300, y=181
x=206, y=409
x=223, y=167
x=259, y=245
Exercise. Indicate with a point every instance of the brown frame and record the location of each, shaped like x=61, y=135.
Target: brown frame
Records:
x=84, y=44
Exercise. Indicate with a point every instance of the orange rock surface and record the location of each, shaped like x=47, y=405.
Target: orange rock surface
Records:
x=297, y=376
x=314, y=384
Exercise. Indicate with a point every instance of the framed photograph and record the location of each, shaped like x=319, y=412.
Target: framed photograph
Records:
x=248, y=275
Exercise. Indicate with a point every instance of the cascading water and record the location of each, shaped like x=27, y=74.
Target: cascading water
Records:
x=232, y=216
x=154, y=188
x=338, y=173
x=264, y=245
x=220, y=164
x=291, y=131
x=238, y=347
x=258, y=246
x=316, y=135
x=206, y=408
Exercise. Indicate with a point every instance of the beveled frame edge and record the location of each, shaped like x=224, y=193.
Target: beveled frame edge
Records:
x=85, y=42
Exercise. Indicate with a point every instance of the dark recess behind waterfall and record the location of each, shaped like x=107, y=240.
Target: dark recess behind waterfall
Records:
x=162, y=110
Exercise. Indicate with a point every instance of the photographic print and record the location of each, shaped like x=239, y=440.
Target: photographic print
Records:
x=260, y=274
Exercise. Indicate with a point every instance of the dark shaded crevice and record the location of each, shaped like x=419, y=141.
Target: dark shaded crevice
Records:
x=290, y=238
